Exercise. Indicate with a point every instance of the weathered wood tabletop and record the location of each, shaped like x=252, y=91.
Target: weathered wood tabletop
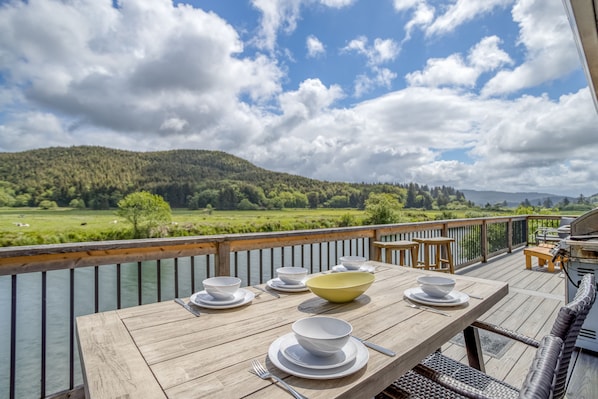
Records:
x=161, y=350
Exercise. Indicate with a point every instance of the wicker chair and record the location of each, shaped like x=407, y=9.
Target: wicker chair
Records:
x=439, y=376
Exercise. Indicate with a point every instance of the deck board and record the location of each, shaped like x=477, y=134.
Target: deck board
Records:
x=530, y=308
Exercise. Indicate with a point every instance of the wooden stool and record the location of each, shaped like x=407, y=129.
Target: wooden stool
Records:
x=436, y=245
x=402, y=247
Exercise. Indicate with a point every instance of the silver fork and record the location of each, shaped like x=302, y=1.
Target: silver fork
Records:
x=264, y=374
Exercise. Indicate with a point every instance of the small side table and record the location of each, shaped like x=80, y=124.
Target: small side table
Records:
x=401, y=246
x=437, y=254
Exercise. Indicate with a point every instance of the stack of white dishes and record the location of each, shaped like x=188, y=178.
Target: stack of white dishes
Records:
x=436, y=291
x=353, y=264
x=319, y=348
x=290, y=279
x=363, y=268
x=222, y=293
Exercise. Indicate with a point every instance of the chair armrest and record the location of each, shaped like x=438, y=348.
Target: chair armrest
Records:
x=506, y=333
x=450, y=383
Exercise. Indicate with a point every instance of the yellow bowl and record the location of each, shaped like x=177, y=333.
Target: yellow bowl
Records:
x=340, y=287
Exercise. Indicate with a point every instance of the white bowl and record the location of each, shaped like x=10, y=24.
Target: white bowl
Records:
x=436, y=286
x=352, y=262
x=222, y=287
x=291, y=275
x=322, y=336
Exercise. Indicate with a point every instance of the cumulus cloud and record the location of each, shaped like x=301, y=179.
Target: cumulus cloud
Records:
x=455, y=71
x=314, y=46
x=459, y=12
x=149, y=75
x=546, y=36
x=282, y=15
x=383, y=50
x=130, y=69
x=380, y=52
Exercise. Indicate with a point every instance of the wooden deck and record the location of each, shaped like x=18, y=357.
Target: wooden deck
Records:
x=534, y=299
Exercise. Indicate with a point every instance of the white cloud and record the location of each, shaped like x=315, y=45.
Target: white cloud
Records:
x=381, y=77
x=314, y=46
x=546, y=36
x=487, y=56
x=455, y=71
x=283, y=15
x=462, y=11
x=174, y=124
x=337, y=3
x=130, y=69
x=383, y=50
x=276, y=15
x=402, y=5
x=151, y=76
x=444, y=71
x=422, y=16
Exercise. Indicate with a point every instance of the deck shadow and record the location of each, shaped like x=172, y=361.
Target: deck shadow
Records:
x=492, y=344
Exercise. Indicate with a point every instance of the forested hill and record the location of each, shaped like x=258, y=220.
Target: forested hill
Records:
x=99, y=177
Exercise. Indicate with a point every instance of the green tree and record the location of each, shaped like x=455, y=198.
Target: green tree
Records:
x=47, y=204
x=338, y=201
x=246, y=205
x=144, y=211
x=77, y=203
x=382, y=208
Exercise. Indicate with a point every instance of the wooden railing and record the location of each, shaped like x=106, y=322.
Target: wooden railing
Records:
x=99, y=276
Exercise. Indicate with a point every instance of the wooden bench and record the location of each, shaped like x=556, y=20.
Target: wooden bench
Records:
x=544, y=256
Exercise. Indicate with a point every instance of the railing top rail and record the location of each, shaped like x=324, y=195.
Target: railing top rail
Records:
x=36, y=258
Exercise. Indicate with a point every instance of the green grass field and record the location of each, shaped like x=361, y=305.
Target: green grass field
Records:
x=32, y=226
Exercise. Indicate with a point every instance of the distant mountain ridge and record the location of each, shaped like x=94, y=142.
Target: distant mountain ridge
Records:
x=98, y=177
x=482, y=198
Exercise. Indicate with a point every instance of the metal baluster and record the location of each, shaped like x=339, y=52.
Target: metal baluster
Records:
x=192, y=273
x=261, y=266
x=118, y=298
x=96, y=288
x=72, y=330
x=176, y=277
x=43, y=354
x=139, y=297
x=248, y=267
x=13, y=335
x=159, y=278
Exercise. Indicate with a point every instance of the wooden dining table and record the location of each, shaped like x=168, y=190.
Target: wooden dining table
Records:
x=161, y=350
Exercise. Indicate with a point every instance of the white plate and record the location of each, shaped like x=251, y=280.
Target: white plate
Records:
x=461, y=298
x=364, y=268
x=449, y=298
x=277, y=358
x=277, y=284
x=293, y=352
x=245, y=296
x=204, y=298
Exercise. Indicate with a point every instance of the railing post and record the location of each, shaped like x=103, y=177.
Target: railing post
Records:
x=223, y=259
x=484, y=243
x=445, y=230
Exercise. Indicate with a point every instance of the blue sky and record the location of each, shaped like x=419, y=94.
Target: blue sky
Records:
x=485, y=95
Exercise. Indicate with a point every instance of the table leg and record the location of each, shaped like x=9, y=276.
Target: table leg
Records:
x=474, y=348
